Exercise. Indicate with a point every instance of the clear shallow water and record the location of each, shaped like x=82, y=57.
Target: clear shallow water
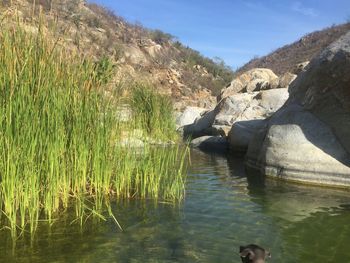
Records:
x=222, y=210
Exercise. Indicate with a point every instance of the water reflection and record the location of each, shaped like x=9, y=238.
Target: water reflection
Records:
x=222, y=210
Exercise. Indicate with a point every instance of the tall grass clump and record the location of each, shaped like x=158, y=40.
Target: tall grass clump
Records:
x=58, y=135
x=153, y=112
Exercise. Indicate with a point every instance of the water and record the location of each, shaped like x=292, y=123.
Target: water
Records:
x=222, y=210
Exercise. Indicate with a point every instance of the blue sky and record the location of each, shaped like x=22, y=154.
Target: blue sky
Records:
x=234, y=30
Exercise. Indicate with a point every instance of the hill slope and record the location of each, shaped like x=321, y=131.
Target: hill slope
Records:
x=137, y=52
x=285, y=58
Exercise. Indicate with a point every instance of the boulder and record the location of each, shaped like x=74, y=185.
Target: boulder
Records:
x=239, y=107
x=199, y=127
x=242, y=133
x=211, y=144
x=153, y=50
x=285, y=80
x=123, y=113
x=249, y=106
x=135, y=55
x=253, y=80
x=250, y=117
x=308, y=140
x=188, y=116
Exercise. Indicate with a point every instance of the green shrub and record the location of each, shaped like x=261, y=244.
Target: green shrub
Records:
x=103, y=70
x=161, y=37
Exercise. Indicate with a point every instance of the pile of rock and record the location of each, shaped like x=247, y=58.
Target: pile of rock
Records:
x=241, y=109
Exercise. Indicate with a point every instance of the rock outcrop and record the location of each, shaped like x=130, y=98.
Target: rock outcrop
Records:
x=308, y=140
x=253, y=80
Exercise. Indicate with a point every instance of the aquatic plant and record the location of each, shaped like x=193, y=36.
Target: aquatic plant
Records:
x=60, y=140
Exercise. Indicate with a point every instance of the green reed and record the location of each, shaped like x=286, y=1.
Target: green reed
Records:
x=153, y=112
x=59, y=139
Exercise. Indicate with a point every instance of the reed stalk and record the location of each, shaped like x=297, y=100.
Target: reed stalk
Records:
x=59, y=137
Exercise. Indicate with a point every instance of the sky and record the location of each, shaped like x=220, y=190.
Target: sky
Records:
x=234, y=30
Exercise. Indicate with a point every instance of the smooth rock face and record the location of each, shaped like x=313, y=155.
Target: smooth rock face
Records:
x=308, y=140
x=188, y=116
x=242, y=133
x=253, y=80
x=324, y=89
x=201, y=124
x=211, y=144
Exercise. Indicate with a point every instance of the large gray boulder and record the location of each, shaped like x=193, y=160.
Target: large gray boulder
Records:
x=308, y=139
x=242, y=133
x=188, y=116
x=200, y=126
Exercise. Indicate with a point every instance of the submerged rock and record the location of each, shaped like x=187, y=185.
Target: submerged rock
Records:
x=211, y=144
x=308, y=140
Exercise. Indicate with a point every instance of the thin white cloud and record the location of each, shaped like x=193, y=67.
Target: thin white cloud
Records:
x=307, y=11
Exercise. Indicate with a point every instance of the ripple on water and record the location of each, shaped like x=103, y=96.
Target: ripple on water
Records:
x=221, y=211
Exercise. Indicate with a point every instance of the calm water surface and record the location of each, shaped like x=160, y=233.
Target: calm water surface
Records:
x=222, y=210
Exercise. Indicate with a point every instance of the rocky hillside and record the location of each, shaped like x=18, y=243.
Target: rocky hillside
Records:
x=285, y=58
x=137, y=53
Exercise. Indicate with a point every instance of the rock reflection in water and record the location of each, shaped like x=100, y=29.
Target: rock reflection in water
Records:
x=222, y=211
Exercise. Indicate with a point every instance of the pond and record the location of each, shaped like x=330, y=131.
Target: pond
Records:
x=222, y=210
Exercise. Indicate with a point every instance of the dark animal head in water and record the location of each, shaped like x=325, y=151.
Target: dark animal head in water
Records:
x=253, y=254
